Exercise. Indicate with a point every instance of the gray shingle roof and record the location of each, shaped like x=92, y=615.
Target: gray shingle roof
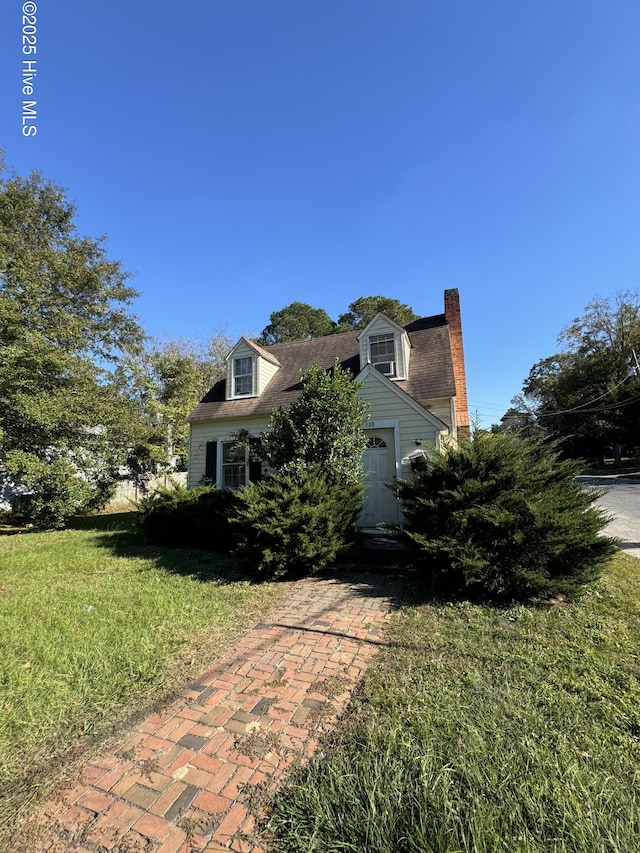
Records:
x=430, y=370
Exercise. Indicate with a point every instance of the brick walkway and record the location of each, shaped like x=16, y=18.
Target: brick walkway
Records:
x=190, y=779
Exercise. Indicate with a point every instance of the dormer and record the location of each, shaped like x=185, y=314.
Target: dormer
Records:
x=385, y=345
x=249, y=370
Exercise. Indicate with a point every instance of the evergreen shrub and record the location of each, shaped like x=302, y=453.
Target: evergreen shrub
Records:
x=289, y=525
x=502, y=517
x=178, y=517
x=322, y=428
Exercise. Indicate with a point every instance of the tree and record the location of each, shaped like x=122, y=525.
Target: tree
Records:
x=364, y=309
x=518, y=420
x=164, y=381
x=212, y=358
x=299, y=321
x=502, y=517
x=588, y=395
x=322, y=428
x=296, y=322
x=612, y=324
x=64, y=318
x=162, y=384
x=298, y=519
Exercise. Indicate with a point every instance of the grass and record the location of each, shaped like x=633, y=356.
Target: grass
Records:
x=95, y=624
x=483, y=729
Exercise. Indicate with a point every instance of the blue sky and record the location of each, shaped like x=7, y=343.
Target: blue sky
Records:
x=243, y=154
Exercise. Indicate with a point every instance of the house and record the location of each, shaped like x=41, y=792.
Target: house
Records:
x=413, y=379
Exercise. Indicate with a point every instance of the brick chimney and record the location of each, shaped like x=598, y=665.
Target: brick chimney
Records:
x=454, y=320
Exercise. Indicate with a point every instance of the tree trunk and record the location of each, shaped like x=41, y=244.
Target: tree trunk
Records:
x=617, y=455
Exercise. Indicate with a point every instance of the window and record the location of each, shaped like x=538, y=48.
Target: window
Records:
x=234, y=464
x=382, y=353
x=376, y=441
x=242, y=376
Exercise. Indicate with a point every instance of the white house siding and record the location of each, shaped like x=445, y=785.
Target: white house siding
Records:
x=410, y=423
x=226, y=430
x=11, y=491
x=404, y=353
x=441, y=408
x=405, y=426
x=266, y=370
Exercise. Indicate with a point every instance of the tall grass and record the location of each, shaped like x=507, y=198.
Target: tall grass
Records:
x=482, y=730
x=93, y=622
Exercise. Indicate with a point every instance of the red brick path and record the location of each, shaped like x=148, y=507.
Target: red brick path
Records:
x=189, y=779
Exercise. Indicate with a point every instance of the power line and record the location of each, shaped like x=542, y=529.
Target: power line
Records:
x=595, y=400
x=609, y=408
x=581, y=408
x=497, y=406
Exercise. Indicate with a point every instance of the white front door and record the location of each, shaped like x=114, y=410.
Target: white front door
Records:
x=380, y=503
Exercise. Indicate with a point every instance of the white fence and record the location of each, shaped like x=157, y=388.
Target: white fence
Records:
x=128, y=490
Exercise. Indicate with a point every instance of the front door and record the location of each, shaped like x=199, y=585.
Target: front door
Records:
x=380, y=503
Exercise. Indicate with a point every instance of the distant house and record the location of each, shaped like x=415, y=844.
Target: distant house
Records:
x=413, y=379
x=12, y=492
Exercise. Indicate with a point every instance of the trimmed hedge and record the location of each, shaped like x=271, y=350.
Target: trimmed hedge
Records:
x=188, y=518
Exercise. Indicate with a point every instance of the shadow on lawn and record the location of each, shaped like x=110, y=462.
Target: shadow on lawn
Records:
x=123, y=538
x=108, y=521
x=104, y=521
x=371, y=572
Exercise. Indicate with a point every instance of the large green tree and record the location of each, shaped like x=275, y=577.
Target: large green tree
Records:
x=364, y=309
x=588, y=395
x=64, y=320
x=163, y=382
x=296, y=322
x=300, y=321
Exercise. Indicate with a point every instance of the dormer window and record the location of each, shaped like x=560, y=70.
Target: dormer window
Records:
x=382, y=353
x=249, y=368
x=243, y=377
x=385, y=345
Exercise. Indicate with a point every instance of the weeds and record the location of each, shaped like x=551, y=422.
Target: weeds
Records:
x=258, y=744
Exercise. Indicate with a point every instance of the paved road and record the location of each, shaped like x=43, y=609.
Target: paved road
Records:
x=622, y=500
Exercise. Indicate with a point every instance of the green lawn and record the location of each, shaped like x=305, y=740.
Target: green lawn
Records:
x=484, y=729
x=93, y=623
